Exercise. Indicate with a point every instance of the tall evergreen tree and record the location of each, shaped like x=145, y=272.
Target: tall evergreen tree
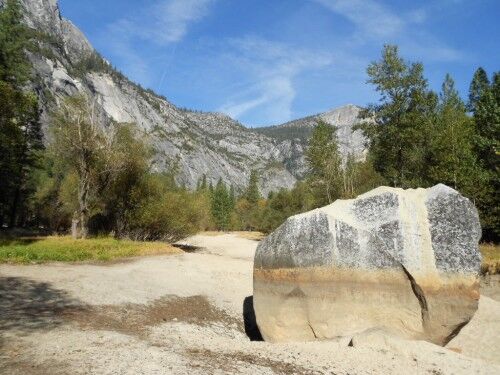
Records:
x=20, y=141
x=14, y=39
x=221, y=206
x=479, y=85
x=252, y=193
x=454, y=161
x=20, y=131
x=232, y=196
x=203, y=185
x=486, y=113
x=487, y=119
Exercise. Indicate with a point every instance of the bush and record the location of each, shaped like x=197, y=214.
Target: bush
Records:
x=168, y=215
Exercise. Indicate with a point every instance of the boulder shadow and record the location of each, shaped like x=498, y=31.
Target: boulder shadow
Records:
x=187, y=248
x=27, y=305
x=251, y=327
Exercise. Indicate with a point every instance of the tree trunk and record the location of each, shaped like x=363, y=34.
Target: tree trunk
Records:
x=83, y=197
x=84, y=223
x=74, y=226
x=15, y=205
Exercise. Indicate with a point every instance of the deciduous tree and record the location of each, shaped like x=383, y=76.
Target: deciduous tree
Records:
x=325, y=164
x=79, y=139
x=398, y=127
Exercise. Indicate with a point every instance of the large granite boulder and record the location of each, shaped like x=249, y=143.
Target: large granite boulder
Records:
x=405, y=261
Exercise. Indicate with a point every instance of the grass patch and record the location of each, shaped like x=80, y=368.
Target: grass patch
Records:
x=491, y=259
x=67, y=249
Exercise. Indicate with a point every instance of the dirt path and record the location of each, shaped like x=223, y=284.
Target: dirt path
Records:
x=185, y=314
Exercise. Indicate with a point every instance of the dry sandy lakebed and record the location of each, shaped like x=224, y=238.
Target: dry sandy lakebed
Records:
x=191, y=313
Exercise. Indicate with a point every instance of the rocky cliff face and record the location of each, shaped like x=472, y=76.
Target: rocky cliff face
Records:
x=65, y=63
x=293, y=136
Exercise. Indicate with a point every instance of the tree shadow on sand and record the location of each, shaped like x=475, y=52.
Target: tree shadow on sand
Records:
x=27, y=305
x=251, y=327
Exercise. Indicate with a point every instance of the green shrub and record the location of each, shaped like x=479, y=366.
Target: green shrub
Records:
x=167, y=214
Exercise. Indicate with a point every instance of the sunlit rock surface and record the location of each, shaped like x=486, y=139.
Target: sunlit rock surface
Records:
x=406, y=261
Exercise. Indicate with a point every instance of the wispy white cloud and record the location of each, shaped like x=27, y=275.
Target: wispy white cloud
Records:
x=370, y=17
x=374, y=21
x=273, y=97
x=165, y=21
x=271, y=68
x=162, y=23
x=271, y=79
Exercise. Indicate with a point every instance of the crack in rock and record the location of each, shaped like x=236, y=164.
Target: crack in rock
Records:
x=312, y=330
x=419, y=293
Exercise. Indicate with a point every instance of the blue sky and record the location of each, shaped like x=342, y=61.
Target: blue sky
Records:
x=269, y=61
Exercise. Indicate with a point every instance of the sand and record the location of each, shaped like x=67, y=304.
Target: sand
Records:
x=183, y=314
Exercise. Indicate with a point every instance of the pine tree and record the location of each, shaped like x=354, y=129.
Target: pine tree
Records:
x=232, y=197
x=479, y=85
x=221, y=206
x=14, y=40
x=487, y=144
x=203, y=186
x=20, y=141
x=454, y=161
x=487, y=119
x=20, y=130
x=252, y=193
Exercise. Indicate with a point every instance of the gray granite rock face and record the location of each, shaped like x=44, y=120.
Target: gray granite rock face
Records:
x=372, y=253
x=404, y=224
x=455, y=230
x=211, y=144
x=306, y=242
x=294, y=135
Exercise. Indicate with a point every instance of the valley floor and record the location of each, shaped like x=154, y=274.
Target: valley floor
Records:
x=191, y=313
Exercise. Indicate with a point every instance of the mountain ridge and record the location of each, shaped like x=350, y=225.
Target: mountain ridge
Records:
x=199, y=143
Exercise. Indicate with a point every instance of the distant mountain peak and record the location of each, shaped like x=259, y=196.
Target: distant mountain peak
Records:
x=298, y=131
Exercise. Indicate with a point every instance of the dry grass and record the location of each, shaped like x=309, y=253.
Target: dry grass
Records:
x=212, y=233
x=491, y=259
x=67, y=249
x=254, y=236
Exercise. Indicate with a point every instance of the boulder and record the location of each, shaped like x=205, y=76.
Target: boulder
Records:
x=479, y=339
x=405, y=261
